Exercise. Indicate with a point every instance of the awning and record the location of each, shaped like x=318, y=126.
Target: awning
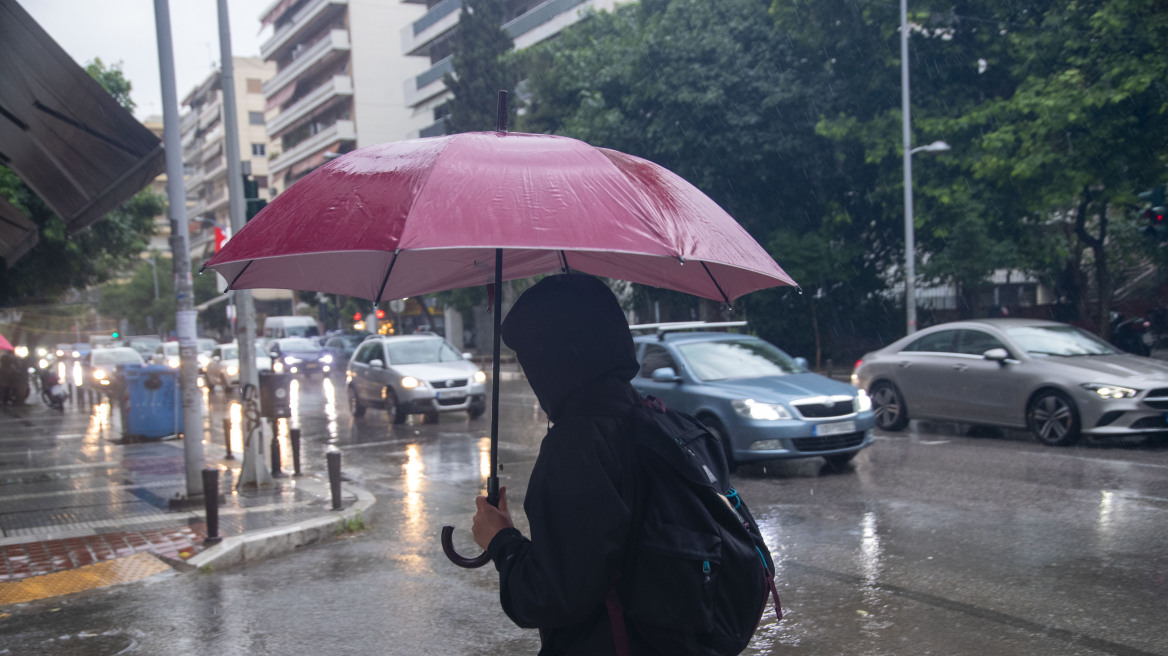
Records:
x=17, y=232
x=62, y=133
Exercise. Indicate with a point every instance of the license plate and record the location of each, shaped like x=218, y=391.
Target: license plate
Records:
x=452, y=395
x=834, y=429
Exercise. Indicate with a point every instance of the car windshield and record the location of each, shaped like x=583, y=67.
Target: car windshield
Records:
x=737, y=358
x=117, y=356
x=170, y=348
x=415, y=351
x=298, y=344
x=229, y=352
x=1058, y=340
x=206, y=345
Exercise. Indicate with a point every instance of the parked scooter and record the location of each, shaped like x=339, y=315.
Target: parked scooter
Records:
x=1133, y=335
x=53, y=393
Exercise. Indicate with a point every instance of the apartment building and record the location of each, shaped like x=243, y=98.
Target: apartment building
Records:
x=204, y=146
x=337, y=87
x=430, y=37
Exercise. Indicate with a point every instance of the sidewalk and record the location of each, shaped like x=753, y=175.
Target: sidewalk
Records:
x=79, y=509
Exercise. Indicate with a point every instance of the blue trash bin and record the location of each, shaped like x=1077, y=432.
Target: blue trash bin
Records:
x=153, y=405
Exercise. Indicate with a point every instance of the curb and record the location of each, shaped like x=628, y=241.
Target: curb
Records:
x=258, y=545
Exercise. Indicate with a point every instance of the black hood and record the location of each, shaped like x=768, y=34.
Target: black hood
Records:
x=568, y=331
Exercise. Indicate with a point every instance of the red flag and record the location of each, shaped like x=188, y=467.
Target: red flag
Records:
x=220, y=237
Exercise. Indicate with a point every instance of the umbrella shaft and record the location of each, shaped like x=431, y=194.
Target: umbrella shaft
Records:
x=493, y=479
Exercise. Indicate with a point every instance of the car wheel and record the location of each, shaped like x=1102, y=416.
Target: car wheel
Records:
x=1053, y=419
x=392, y=409
x=476, y=411
x=355, y=407
x=889, y=407
x=430, y=417
x=717, y=430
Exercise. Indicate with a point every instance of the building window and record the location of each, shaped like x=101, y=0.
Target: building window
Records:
x=259, y=150
x=255, y=118
x=255, y=85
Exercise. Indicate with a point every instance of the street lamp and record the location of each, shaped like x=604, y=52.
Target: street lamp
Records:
x=910, y=297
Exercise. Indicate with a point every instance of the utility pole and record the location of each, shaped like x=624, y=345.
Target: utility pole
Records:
x=185, y=317
x=254, y=470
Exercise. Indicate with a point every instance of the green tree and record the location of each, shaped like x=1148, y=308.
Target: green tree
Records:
x=481, y=68
x=113, y=81
x=133, y=298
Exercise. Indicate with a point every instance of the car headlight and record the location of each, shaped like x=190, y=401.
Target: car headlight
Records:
x=752, y=409
x=480, y=377
x=862, y=402
x=326, y=359
x=99, y=374
x=231, y=371
x=1111, y=391
x=76, y=354
x=409, y=382
x=278, y=367
x=291, y=360
x=173, y=362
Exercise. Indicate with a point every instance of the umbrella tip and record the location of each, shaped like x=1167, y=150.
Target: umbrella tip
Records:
x=501, y=116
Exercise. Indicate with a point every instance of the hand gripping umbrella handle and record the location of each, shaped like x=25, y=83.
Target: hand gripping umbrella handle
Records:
x=448, y=533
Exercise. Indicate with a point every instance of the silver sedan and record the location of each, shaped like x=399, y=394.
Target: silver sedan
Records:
x=1056, y=380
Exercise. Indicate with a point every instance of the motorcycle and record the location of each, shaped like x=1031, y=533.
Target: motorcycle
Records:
x=1133, y=335
x=53, y=393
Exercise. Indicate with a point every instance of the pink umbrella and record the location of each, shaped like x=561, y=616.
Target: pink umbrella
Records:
x=424, y=215
x=5, y=345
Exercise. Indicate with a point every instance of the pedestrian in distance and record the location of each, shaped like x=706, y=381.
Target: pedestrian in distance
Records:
x=591, y=506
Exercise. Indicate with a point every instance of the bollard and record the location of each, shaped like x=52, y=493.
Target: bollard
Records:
x=227, y=438
x=334, y=473
x=294, y=439
x=276, y=473
x=211, y=503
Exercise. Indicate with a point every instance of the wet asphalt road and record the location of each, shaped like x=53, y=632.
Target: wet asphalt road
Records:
x=932, y=543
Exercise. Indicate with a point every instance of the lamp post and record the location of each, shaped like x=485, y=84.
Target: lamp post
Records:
x=910, y=296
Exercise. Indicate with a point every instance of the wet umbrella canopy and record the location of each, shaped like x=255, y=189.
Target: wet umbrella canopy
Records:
x=425, y=215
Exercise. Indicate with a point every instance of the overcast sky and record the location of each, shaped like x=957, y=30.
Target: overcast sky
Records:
x=124, y=31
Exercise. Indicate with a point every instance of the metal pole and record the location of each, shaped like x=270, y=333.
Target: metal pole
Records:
x=211, y=504
x=294, y=439
x=185, y=316
x=245, y=320
x=910, y=296
x=334, y=473
x=227, y=438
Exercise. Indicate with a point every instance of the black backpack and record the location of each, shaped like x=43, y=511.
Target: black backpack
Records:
x=696, y=576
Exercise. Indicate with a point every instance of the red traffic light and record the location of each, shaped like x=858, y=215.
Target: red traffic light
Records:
x=380, y=313
x=357, y=317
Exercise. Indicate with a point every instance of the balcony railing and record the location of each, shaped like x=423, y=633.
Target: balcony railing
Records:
x=338, y=85
x=339, y=131
x=440, y=18
x=209, y=114
x=296, y=27
x=538, y=16
x=336, y=40
x=428, y=83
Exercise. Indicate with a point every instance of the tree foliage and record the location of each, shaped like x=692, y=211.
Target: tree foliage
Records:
x=134, y=299
x=480, y=67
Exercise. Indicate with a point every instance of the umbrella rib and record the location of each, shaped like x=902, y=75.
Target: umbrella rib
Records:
x=715, y=281
x=238, y=275
x=564, y=261
x=385, y=280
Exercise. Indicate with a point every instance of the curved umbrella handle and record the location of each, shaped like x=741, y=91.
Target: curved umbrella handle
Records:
x=461, y=561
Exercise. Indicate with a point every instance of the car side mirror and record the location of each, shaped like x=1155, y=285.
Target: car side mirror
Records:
x=377, y=363
x=998, y=355
x=467, y=356
x=665, y=375
x=802, y=362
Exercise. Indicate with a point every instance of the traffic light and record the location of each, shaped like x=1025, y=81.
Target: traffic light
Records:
x=1156, y=214
x=380, y=313
x=115, y=334
x=251, y=194
x=357, y=316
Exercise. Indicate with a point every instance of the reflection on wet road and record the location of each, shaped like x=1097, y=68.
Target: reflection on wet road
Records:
x=933, y=542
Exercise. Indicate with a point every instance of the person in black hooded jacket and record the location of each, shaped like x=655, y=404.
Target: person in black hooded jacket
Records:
x=574, y=345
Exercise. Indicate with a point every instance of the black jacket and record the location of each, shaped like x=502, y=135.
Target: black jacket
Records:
x=576, y=350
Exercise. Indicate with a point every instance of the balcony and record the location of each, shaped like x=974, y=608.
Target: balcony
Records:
x=209, y=115
x=339, y=131
x=441, y=18
x=339, y=85
x=540, y=16
x=429, y=83
x=310, y=17
x=215, y=169
x=187, y=122
x=336, y=41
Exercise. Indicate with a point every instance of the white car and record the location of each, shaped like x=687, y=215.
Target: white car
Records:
x=223, y=367
x=414, y=374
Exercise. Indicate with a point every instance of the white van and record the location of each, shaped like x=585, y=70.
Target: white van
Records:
x=278, y=327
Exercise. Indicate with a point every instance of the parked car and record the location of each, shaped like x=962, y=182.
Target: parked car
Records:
x=1056, y=380
x=760, y=402
x=414, y=374
x=298, y=355
x=342, y=346
x=99, y=368
x=223, y=368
